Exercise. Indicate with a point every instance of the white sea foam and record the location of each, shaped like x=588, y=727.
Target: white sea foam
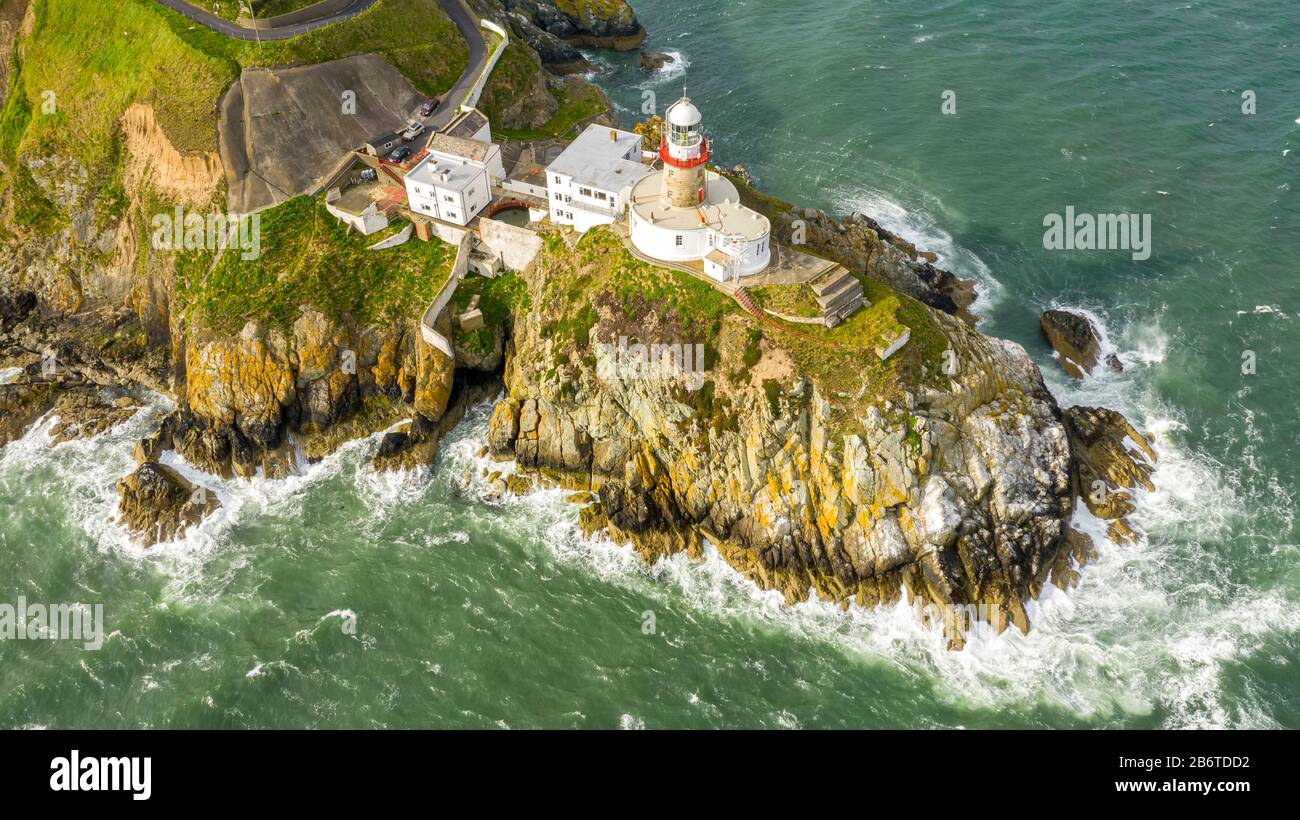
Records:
x=1145, y=633
x=669, y=72
x=919, y=228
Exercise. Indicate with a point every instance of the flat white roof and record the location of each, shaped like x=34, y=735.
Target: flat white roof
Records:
x=721, y=209
x=453, y=173
x=597, y=159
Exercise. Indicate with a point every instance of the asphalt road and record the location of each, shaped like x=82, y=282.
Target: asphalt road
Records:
x=229, y=29
x=467, y=23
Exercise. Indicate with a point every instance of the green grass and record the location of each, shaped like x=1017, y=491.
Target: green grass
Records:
x=792, y=300
x=272, y=8
x=100, y=57
x=578, y=103
x=498, y=299
x=32, y=209
x=515, y=74
x=309, y=259
x=601, y=269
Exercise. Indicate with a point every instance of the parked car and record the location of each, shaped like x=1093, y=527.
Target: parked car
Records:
x=412, y=131
x=400, y=154
x=430, y=105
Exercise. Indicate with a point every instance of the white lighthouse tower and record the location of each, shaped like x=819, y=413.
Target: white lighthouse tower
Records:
x=687, y=213
x=684, y=152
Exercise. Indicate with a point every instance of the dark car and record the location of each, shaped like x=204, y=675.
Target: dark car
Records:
x=400, y=154
x=430, y=105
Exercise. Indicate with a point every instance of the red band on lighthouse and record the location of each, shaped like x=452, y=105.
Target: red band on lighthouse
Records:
x=669, y=159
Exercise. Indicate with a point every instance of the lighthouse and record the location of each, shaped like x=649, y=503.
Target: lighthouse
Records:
x=687, y=213
x=684, y=152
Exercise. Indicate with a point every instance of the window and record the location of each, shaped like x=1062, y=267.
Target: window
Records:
x=710, y=240
x=680, y=241
x=585, y=191
x=559, y=197
x=417, y=189
x=557, y=181
x=602, y=195
x=452, y=215
x=449, y=198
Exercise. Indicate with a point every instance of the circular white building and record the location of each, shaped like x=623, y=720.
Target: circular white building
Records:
x=687, y=213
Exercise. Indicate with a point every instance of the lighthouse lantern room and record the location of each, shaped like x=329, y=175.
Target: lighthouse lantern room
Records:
x=684, y=152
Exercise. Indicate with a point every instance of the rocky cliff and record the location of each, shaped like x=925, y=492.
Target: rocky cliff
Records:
x=554, y=27
x=955, y=484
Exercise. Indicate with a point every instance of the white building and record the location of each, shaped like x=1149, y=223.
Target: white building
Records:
x=453, y=182
x=590, y=182
x=686, y=213
x=470, y=124
x=357, y=208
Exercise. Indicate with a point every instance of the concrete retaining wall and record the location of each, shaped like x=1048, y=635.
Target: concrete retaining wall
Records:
x=440, y=302
x=517, y=247
x=471, y=99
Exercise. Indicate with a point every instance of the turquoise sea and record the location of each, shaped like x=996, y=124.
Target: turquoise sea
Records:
x=472, y=613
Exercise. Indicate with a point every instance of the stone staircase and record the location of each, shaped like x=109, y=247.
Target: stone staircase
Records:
x=746, y=301
x=839, y=293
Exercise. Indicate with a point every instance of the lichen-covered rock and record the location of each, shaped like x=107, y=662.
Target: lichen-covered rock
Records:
x=85, y=413
x=157, y=504
x=435, y=374
x=1075, y=340
x=957, y=493
x=21, y=404
x=601, y=23
x=1110, y=460
x=863, y=245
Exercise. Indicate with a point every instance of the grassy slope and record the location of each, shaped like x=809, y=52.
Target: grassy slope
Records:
x=516, y=74
x=842, y=361
x=577, y=103
x=309, y=258
x=498, y=299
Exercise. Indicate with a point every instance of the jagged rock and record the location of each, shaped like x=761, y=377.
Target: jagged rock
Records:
x=21, y=404
x=592, y=519
x=1073, y=337
x=157, y=504
x=655, y=60
x=557, y=55
x=953, y=495
x=862, y=245
x=15, y=308
x=742, y=173
x=83, y=414
x=1110, y=458
x=605, y=24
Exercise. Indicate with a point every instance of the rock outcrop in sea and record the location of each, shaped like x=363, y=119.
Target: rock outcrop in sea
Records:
x=955, y=490
x=1076, y=341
